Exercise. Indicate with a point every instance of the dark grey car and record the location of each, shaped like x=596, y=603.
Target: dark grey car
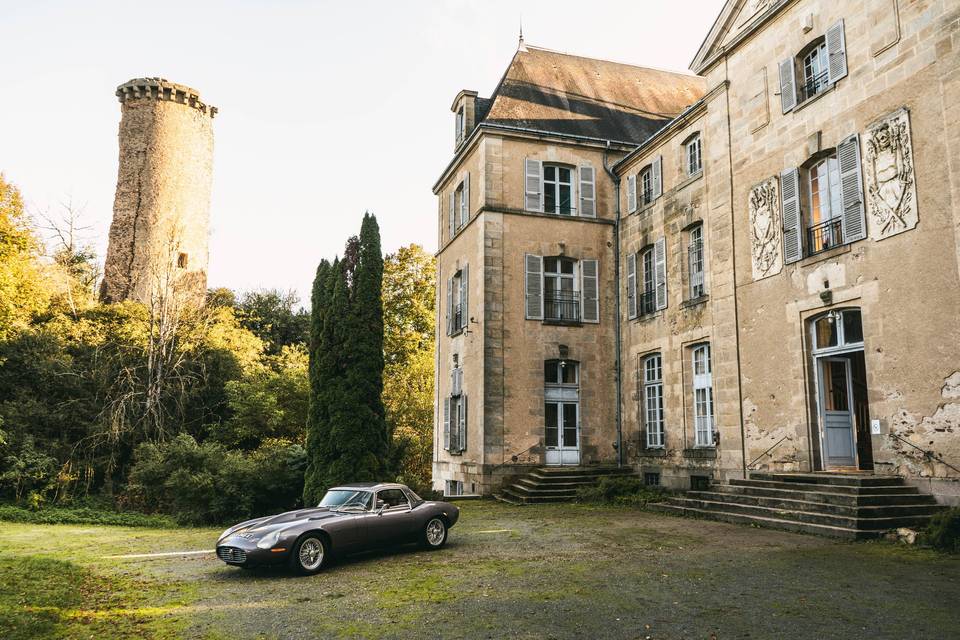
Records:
x=350, y=518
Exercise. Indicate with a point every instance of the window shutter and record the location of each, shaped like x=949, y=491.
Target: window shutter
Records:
x=632, y=286
x=453, y=219
x=462, y=430
x=836, y=52
x=465, y=201
x=631, y=193
x=588, y=192
x=446, y=423
x=792, y=220
x=534, y=286
x=464, y=296
x=533, y=185
x=788, y=85
x=449, y=306
x=657, y=177
x=660, y=271
x=589, y=291
x=853, y=223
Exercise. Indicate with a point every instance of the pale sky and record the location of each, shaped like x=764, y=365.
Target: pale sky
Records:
x=327, y=109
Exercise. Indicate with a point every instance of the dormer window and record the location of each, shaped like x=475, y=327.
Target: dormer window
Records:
x=461, y=124
x=464, y=115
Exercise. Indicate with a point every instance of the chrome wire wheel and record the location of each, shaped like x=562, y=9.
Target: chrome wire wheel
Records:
x=311, y=554
x=436, y=531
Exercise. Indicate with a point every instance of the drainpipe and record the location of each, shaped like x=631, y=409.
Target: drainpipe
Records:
x=616, y=281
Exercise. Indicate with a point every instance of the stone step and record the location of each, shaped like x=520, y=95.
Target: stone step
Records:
x=879, y=523
x=521, y=498
x=768, y=522
x=507, y=499
x=532, y=481
x=846, y=480
x=891, y=509
x=830, y=497
x=537, y=489
x=592, y=470
x=827, y=488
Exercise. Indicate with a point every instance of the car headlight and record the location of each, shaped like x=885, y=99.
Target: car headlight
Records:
x=269, y=540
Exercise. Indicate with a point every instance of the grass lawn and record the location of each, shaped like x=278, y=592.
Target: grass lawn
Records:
x=552, y=571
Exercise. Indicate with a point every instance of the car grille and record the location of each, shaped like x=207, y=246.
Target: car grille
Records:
x=232, y=554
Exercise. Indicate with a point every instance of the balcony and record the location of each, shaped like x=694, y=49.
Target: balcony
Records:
x=561, y=306
x=824, y=236
x=813, y=86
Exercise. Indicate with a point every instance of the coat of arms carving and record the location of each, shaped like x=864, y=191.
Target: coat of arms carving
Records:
x=765, y=229
x=889, y=176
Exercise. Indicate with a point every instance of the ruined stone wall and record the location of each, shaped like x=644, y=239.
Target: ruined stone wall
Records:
x=159, y=233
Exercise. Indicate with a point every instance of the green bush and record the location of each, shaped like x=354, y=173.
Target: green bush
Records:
x=943, y=531
x=84, y=515
x=623, y=490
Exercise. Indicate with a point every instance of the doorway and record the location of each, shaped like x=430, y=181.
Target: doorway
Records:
x=562, y=412
x=843, y=415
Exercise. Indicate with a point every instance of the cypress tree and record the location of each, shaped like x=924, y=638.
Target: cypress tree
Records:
x=319, y=373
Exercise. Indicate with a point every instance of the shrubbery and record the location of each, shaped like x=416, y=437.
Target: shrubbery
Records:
x=943, y=531
x=85, y=515
x=622, y=490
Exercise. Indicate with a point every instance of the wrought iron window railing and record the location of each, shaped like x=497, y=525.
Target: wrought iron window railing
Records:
x=813, y=85
x=823, y=236
x=561, y=306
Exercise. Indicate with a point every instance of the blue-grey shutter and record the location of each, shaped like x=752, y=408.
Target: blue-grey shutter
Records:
x=631, y=193
x=465, y=201
x=449, y=306
x=589, y=291
x=792, y=220
x=788, y=85
x=853, y=224
x=446, y=423
x=660, y=272
x=464, y=296
x=533, y=185
x=836, y=52
x=632, y=286
x=533, y=267
x=588, y=192
x=462, y=430
x=657, y=178
x=453, y=214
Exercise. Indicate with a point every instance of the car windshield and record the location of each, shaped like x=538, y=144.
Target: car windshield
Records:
x=343, y=498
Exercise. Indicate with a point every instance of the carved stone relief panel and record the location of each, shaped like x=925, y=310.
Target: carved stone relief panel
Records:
x=766, y=234
x=891, y=190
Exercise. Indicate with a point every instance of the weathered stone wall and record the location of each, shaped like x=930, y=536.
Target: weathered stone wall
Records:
x=159, y=233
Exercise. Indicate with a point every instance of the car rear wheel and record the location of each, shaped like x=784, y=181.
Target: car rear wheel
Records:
x=309, y=555
x=435, y=533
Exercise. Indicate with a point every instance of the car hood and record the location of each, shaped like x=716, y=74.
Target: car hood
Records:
x=265, y=525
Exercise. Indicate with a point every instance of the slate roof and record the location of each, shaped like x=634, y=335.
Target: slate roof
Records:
x=567, y=94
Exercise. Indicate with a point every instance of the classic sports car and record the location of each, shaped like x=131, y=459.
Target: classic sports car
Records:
x=352, y=517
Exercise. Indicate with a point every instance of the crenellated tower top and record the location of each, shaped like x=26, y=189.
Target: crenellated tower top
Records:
x=163, y=89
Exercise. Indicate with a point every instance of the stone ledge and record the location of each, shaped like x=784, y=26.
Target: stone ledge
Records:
x=163, y=89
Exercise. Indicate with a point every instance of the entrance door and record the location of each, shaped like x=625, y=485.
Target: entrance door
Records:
x=836, y=409
x=562, y=433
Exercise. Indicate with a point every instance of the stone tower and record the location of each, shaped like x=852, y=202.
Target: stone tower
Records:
x=158, y=237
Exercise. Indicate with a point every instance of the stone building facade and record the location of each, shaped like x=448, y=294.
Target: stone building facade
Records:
x=159, y=232
x=782, y=255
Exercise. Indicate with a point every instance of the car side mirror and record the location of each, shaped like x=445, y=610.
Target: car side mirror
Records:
x=381, y=505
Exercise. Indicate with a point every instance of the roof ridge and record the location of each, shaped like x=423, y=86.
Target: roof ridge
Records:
x=685, y=74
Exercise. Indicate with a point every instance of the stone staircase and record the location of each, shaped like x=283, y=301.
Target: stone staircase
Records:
x=854, y=507
x=555, y=484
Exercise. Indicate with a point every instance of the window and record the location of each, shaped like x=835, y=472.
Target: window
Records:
x=651, y=478
x=182, y=261
x=653, y=400
x=695, y=262
x=392, y=499
x=455, y=422
x=703, y=396
x=461, y=124
x=699, y=483
x=694, y=160
x=458, y=301
x=453, y=488
x=650, y=277
x=837, y=329
x=648, y=295
x=561, y=289
x=557, y=189
x=646, y=185
x=821, y=64
x=824, y=210
x=561, y=411
x=459, y=206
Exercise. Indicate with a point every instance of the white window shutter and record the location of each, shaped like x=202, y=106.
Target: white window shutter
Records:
x=657, y=177
x=533, y=185
x=631, y=193
x=465, y=201
x=454, y=381
x=463, y=423
x=449, y=306
x=836, y=52
x=660, y=272
x=589, y=291
x=588, y=192
x=632, y=286
x=853, y=223
x=464, y=296
x=453, y=219
x=446, y=423
x=792, y=219
x=534, y=286
x=788, y=85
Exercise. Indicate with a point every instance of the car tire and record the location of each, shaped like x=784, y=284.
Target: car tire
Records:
x=434, y=534
x=310, y=554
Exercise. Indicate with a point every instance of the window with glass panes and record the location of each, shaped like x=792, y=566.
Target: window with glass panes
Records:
x=646, y=185
x=825, y=210
x=703, y=396
x=557, y=189
x=653, y=400
x=816, y=74
x=561, y=298
x=695, y=259
x=562, y=405
x=694, y=160
x=647, y=301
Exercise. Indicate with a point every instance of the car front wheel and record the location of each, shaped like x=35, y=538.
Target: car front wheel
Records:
x=435, y=533
x=309, y=555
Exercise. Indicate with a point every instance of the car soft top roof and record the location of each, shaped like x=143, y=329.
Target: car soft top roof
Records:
x=369, y=485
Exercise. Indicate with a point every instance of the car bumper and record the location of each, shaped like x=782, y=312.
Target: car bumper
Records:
x=240, y=552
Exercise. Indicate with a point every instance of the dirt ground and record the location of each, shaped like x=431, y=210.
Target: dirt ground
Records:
x=552, y=571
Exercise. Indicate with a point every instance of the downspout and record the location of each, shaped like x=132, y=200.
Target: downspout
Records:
x=616, y=281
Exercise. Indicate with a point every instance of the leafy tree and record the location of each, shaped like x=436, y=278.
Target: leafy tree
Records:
x=24, y=288
x=275, y=317
x=321, y=370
